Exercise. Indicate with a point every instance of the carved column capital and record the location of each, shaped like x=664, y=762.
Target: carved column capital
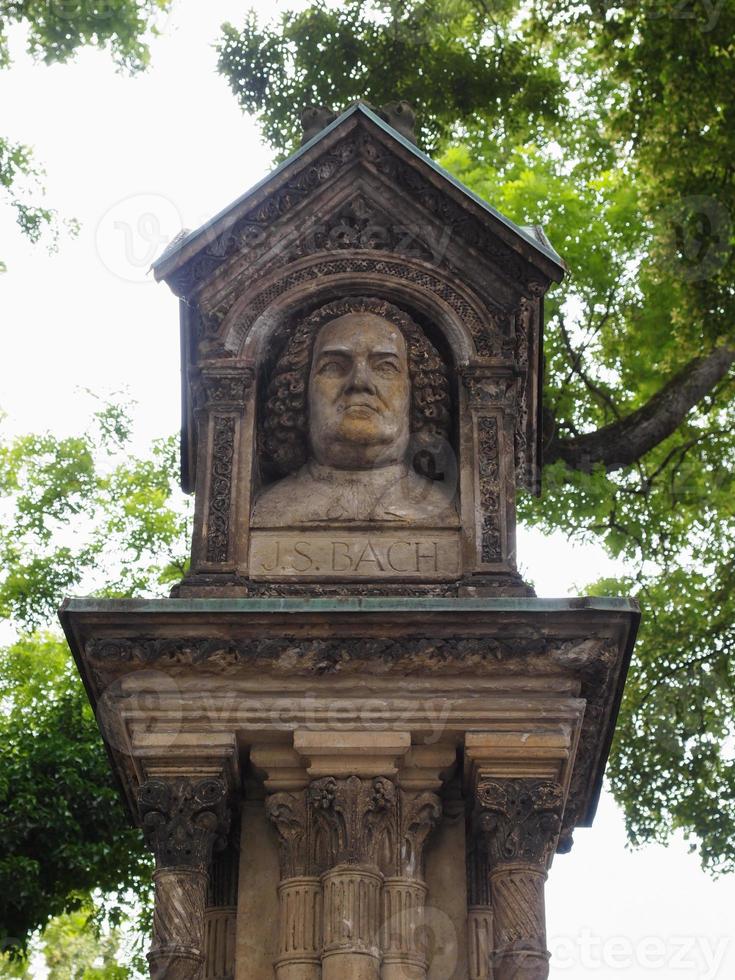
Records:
x=354, y=817
x=184, y=820
x=420, y=813
x=491, y=388
x=520, y=819
x=222, y=386
x=288, y=814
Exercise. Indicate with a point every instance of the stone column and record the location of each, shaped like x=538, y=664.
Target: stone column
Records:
x=519, y=820
x=184, y=820
x=354, y=834
x=404, y=894
x=352, y=823
x=220, y=916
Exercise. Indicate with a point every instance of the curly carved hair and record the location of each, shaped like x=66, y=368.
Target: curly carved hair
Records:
x=286, y=423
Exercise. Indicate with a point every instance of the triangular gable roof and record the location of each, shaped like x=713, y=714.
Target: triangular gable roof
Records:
x=187, y=245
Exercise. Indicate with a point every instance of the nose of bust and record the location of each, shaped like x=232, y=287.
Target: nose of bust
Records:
x=361, y=378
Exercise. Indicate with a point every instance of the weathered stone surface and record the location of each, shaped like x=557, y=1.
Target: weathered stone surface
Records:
x=361, y=345
x=359, y=238
x=184, y=820
x=518, y=821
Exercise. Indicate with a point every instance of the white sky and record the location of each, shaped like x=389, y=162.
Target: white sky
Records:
x=135, y=159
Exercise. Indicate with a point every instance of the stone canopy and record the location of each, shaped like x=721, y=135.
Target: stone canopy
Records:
x=359, y=211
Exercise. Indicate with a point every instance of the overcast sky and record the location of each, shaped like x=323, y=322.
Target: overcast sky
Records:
x=136, y=159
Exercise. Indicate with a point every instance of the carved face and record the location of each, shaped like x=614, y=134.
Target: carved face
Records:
x=359, y=393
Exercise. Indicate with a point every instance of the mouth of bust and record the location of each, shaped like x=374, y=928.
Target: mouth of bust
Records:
x=360, y=408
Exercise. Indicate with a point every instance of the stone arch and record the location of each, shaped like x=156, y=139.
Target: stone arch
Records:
x=467, y=327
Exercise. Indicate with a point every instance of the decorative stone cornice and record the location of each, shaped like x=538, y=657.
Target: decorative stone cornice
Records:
x=519, y=818
x=184, y=820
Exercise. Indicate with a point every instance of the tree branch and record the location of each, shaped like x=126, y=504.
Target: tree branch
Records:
x=626, y=440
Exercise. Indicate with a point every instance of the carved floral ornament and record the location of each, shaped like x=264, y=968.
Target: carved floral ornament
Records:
x=223, y=387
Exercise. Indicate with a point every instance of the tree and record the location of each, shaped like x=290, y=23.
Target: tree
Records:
x=73, y=947
x=80, y=513
x=55, y=31
x=612, y=125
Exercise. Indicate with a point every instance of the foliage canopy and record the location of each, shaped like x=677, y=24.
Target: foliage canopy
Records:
x=79, y=514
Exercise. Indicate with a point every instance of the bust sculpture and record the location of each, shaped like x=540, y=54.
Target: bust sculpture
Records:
x=358, y=393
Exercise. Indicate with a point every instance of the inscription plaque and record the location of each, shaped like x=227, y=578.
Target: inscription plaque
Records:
x=344, y=554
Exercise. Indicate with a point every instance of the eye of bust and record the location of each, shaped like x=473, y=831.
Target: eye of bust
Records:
x=333, y=365
x=387, y=365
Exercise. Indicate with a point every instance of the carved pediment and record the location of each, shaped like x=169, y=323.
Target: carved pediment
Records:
x=358, y=146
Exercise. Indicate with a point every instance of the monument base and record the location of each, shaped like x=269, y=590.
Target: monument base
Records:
x=391, y=742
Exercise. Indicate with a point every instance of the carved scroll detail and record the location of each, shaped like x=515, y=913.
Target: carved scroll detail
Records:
x=520, y=819
x=184, y=820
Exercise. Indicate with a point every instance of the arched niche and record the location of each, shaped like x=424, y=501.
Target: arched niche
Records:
x=450, y=316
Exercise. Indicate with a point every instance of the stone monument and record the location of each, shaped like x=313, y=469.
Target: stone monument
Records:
x=353, y=738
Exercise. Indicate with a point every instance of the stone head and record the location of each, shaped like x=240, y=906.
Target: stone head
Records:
x=356, y=381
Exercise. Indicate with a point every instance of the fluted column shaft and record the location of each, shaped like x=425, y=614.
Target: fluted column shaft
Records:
x=300, y=934
x=404, y=952
x=351, y=923
x=479, y=910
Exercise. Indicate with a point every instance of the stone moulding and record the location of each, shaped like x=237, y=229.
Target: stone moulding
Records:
x=488, y=660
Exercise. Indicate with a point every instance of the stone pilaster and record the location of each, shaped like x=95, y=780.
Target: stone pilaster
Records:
x=404, y=894
x=299, y=893
x=220, y=917
x=518, y=821
x=184, y=820
x=493, y=403
x=221, y=390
